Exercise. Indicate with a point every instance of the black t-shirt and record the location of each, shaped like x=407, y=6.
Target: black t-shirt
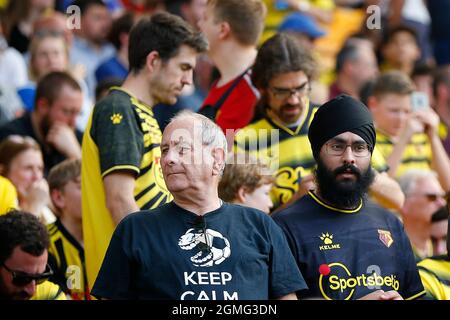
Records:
x=23, y=127
x=164, y=254
x=346, y=254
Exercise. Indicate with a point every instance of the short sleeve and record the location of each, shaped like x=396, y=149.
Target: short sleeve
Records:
x=114, y=280
x=116, y=132
x=285, y=277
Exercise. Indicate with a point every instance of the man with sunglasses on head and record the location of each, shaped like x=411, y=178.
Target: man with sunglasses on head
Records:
x=197, y=247
x=424, y=196
x=283, y=72
x=23, y=259
x=346, y=246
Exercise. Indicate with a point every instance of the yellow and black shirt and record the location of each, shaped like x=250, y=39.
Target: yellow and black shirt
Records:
x=417, y=154
x=435, y=275
x=122, y=134
x=286, y=150
x=66, y=258
x=48, y=291
x=347, y=254
x=8, y=196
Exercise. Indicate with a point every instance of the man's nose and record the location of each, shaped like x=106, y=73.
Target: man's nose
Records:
x=348, y=156
x=30, y=288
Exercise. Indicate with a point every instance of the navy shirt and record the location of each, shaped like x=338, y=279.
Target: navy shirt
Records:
x=164, y=254
x=346, y=254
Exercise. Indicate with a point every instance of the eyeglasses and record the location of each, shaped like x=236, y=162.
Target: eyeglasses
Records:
x=286, y=93
x=359, y=149
x=21, y=278
x=200, y=223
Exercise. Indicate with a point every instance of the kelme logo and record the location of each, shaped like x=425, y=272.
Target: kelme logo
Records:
x=327, y=240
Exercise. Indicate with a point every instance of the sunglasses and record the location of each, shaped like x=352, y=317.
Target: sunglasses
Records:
x=200, y=223
x=21, y=279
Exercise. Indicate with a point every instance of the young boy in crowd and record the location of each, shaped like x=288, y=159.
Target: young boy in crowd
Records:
x=66, y=253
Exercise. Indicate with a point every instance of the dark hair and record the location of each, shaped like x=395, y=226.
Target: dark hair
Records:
x=64, y=172
x=422, y=69
x=20, y=228
x=280, y=54
x=50, y=86
x=401, y=28
x=394, y=82
x=121, y=25
x=85, y=4
x=349, y=52
x=442, y=76
x=164, y=33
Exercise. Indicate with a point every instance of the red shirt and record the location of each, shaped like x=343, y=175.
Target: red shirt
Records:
x=237, y=110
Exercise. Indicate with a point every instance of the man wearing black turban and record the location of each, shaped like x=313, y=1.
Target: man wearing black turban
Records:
x=346, y=246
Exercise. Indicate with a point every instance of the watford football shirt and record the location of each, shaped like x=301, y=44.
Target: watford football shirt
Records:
x=286, y=150
x=346, y=254
x=435, y=275
x=66, y=258
x=417, y=154
x=122, y=134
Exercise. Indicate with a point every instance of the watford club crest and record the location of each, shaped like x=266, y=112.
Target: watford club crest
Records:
x=385, y=237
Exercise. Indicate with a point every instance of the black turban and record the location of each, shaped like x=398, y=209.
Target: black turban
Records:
x=337, y=116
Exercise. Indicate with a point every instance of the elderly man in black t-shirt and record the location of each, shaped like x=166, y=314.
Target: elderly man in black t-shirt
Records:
x=197, y=247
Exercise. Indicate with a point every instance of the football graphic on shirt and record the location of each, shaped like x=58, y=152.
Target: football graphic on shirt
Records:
x=209, y=247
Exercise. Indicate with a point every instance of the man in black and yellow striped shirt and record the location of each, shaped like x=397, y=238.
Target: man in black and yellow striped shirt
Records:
x=406, y=138
x=435, y=275
x=280, y=138
x=121, y=172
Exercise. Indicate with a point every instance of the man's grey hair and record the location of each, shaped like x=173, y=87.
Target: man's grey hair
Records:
x=212, y=135
x=408, y=181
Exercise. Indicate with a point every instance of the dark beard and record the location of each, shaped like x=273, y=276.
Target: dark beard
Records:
x=45, y=126
x=345, y=193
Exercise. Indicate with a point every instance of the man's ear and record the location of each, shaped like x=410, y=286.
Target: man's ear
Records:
x=219, y=160
x=372, y=103
x=225, y=30
x=241, y=195
x=58, y=199
x=153, y=60
x=42, y=105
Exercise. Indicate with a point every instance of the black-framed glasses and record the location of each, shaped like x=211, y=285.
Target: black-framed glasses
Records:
x=20, y=278
x=286, y=93
x=200, y=224
x=359, y=149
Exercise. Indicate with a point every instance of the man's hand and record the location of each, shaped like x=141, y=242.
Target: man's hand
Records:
x=36, y=197
x=430, y=120
x=382, y=295
x=62, y=138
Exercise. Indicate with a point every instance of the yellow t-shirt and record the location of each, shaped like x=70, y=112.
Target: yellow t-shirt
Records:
x=122, y=134
x=8, y=196
x=48, y=291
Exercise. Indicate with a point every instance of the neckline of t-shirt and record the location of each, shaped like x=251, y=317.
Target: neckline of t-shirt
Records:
x=322, y=203
x=208, y=215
